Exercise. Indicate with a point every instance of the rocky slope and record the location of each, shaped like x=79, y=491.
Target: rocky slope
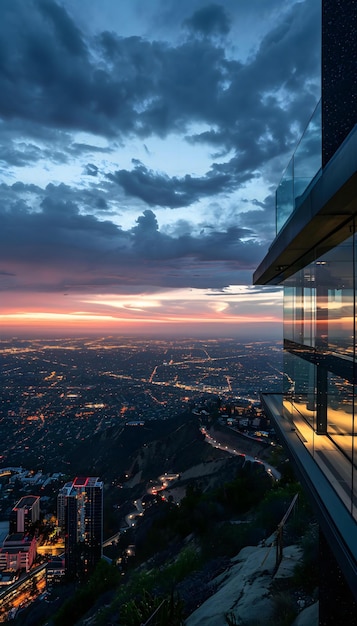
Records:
x=247, y=592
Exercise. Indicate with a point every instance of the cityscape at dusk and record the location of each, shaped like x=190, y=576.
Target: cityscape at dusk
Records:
x=178, y=338
x=141, y=146
x=58, y=394
x=109, y=404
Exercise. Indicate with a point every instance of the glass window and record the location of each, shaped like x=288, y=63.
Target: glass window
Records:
x=319, y=302
x=304, y=166
x=300, y=307
x=307, y=156
x=289, y=311
x=340, y=408
x=300, y=387
x=335, y=277
x=285, y=197
x=319, y=379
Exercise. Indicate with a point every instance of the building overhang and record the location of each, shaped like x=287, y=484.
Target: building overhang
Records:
x=322, y=219
x=336, y=522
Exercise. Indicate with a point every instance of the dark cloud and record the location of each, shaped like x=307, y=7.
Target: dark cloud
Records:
x=146, y=223
x=132, y=85
x=23, y=153
x=77, y=149
x=211, y=245
x=210, y=20
x=91, y=170
x=20, y=187
x=57, y=245
x=86, y=199
x=64, y=29
x=6, y=273
x=20, y=156
x=161, y=190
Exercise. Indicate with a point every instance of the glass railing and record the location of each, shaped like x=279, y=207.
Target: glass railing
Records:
x=304, y=165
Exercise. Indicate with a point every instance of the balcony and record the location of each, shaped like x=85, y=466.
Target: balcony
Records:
x=322, y=470
x=303, y=168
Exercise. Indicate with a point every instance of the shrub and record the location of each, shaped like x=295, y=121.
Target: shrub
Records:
x=285, y=609
x=306, y=574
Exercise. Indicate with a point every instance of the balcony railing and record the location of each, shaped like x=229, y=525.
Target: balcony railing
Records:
x=303, y=167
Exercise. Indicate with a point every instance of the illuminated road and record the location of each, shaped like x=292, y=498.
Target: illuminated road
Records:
x=272, y=471
x=23, y=592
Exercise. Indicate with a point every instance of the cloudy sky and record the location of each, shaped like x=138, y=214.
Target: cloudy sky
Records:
x=141, y=145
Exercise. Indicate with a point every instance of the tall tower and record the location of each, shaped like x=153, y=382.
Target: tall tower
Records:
x=313, y=256
x=80, y=514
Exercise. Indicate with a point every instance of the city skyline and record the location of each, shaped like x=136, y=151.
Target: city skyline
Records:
x=142, y=144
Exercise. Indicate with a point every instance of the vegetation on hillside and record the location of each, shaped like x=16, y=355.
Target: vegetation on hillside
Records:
x=186, y=546
x=181, y=548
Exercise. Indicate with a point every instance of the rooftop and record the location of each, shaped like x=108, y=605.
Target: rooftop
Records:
x=86, y=481
x=26, y=502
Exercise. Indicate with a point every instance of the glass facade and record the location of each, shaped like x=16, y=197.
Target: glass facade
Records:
x=314, y=257
x=320, y=357
x=319, y=302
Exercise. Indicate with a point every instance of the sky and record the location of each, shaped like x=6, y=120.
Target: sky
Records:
x=141, y=145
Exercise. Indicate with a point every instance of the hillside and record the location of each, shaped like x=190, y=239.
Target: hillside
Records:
x=156, y=447
x=225, y=504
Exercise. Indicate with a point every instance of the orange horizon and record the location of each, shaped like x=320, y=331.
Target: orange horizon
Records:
x=80, y=325
x=136, y=313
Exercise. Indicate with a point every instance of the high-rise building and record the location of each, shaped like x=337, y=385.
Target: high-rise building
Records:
x=80, y=515
x=24, y=514
x=314, y=258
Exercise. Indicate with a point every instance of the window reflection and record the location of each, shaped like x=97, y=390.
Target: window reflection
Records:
x=300, y=387
x=319, y=378
x=319, y=303
x=340, y=412
x=336, y=273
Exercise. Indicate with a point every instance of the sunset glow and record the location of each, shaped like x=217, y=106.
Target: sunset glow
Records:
x=128, y=313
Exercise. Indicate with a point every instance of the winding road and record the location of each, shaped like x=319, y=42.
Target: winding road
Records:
x=272, y=471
